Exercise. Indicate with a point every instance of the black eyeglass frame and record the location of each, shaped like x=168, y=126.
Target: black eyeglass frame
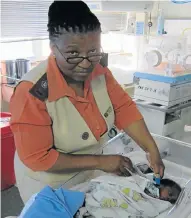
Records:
x=101, y=55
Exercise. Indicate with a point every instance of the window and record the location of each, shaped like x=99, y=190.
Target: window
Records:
x=14, y=50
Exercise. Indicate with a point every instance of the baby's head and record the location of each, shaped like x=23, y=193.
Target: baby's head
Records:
x=169, y=190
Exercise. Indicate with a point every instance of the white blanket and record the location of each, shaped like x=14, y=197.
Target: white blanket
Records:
x=113, y=197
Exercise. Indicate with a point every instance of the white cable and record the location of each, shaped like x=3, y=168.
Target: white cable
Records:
x=187, y=128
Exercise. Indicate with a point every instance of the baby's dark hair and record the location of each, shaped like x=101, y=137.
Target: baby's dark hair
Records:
x=174, y=189
x=71, y=15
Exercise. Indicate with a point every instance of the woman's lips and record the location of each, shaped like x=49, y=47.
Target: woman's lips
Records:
x=86, y=73
x=82, y=74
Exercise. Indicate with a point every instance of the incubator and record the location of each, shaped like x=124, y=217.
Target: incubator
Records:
x=167, y=56
x=164, y=71
x=176, y=157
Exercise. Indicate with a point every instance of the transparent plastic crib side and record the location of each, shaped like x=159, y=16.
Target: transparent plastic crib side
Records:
x=172, y=151
x=182, y=207
x=165, y=55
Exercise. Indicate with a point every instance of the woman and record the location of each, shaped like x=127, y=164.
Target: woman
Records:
x=63, y=109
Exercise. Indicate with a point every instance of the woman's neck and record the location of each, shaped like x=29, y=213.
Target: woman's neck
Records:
x=69, y=80
x=77, y=86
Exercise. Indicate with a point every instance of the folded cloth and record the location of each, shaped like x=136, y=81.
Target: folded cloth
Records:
x=51, y=203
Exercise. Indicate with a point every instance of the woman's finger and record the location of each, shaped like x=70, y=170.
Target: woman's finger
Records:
x=124, y=172
x=128, y=163
x=156, y=169
x=162, y=168
x=119, y=173
x=159, y=169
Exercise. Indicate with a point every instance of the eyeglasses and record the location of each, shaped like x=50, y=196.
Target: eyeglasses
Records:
x=76, y=60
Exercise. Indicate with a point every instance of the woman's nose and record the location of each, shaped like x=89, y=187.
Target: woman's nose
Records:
x=85, y=64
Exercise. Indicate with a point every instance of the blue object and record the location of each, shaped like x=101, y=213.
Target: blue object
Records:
x=181, y=2
x=58, y=203
x=140, y=28
x=157, y=180
x=160, y=24
x=165, y=79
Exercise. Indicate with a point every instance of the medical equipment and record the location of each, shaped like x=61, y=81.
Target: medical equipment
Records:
x=160, y=23
x=170, y=121
x=156, y=178
x=162, y=90
x=164, y=71
x=165, y=56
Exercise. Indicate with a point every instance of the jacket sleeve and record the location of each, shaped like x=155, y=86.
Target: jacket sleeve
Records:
x=125, y=109
x=31, y=126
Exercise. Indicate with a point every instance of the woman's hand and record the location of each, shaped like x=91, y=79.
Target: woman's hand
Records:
x=116, y=164
x=156, y=163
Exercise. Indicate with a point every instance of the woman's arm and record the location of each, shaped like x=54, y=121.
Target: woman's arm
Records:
x=138, y=131
x=129, y=119
x=68, y=163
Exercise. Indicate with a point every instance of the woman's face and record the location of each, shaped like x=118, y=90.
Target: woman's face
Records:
x=74, y=45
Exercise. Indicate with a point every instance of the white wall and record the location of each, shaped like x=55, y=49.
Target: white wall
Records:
x=178, y=27
x=16, y=50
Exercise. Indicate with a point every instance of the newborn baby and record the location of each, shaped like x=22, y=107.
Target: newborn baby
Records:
x=167, y=191
x=134, y=196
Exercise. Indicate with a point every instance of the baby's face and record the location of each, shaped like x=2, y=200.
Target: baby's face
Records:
x=164, y=193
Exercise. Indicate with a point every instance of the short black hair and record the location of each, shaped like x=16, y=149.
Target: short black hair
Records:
x=174, y=187
x=74, y=15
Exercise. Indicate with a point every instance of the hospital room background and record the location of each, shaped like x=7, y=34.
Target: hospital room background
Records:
x=148, y=47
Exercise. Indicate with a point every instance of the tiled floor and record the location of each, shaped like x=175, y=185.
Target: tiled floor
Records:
x=11, y=203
